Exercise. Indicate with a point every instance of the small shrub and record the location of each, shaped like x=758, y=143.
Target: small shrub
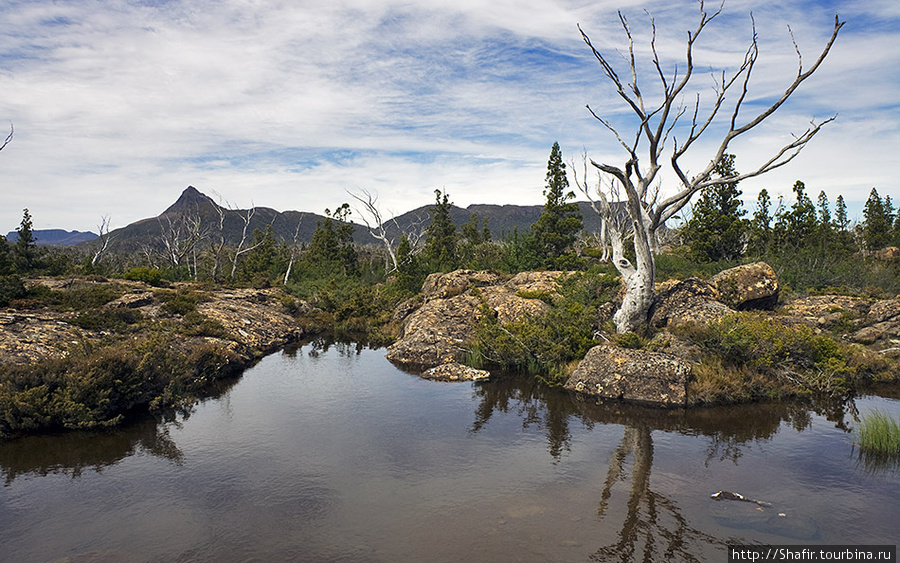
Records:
x=180, y=302
x=11, y=287
x=150, y=276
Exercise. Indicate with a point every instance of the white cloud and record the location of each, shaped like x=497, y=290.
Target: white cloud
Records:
x=120, y=105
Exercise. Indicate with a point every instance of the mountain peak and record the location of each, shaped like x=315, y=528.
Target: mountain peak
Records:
x=191, y=198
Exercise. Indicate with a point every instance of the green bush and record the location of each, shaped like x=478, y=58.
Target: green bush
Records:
x=544, y=345
x=11, y=287
x=150, y=276
x=180, y=302
x=96, y=388
x=785, y=355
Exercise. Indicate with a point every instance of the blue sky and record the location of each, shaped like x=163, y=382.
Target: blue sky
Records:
x=119, y=105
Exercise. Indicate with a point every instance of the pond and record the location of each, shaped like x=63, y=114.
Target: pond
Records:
x=329, y=453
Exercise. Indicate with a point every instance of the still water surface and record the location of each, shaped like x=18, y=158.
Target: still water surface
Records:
x=330, y=453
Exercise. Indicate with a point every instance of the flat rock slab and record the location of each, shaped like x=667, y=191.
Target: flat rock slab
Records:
x=456, y=372
x=638, y=376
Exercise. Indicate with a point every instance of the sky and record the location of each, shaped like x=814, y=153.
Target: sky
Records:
x=119, y=105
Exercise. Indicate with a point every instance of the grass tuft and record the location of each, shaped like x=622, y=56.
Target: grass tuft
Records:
x=879, y=434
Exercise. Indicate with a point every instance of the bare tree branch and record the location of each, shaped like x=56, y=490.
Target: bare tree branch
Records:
x=8, y=137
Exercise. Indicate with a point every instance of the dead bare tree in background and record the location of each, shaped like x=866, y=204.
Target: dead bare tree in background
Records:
x=180, y=236
x=371, y=216
x=294, y=248
x=105, y=239
x=638, y=179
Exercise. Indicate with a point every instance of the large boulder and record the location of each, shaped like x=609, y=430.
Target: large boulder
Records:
x=436, y=332
x=751, y=286
x=440, y=286
x=689, y=301
x=638, y=376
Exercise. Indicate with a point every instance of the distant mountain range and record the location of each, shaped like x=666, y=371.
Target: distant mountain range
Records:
x=195, y=210
x=56, y=237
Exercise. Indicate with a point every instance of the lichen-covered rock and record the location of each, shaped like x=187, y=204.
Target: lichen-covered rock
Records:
x=254, y=319
x=751, y=286
x=436, y=332
x=689, y=301
x=882, y=323
x=455, y=372
x=826, y=310
x=629, y=375
x=441, y=286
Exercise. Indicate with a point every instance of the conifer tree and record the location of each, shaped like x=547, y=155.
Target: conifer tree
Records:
x=716, y=229
x=560, y=222
x=760, y=230
x=441, y=237
x=26, y=245
x=877, y=222
x=841, y=221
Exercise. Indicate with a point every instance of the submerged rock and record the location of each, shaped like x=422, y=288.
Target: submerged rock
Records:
x=455, y=372
x=638, y=376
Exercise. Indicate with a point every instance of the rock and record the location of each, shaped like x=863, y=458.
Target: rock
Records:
x=689, y=301
x=138, y=298
x=456, y=372
x=751, y=286
x=881, y=311
x=436, y=332
x=881, y=323
x=887, y=254
x=454, y=283
x=824, y=310
x=631, y=375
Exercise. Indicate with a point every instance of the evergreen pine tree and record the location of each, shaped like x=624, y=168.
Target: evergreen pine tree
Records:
x=716, y=229
x=26, y=246
x=877, y=222
x=760, y=230
x=841, y=221
x=441, y=237
x=560, y=222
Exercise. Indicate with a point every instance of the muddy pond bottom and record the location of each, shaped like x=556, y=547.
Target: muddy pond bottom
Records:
x=329, y=453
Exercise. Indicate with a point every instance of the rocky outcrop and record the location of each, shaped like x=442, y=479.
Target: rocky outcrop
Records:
x=455, y=372
x=882, y=323
x=609, y=372
x=435, y=333
x=249, y=322
x=751, y=286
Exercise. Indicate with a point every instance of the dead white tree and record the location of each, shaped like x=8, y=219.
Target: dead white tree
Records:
x=180, y=236
x=246, y=216
x=294, y=248
x=654, y=123
x=371, y=216
x=104, y=240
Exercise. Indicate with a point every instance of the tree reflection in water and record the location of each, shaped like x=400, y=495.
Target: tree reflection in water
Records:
x=536, y=404
x=653, y=528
